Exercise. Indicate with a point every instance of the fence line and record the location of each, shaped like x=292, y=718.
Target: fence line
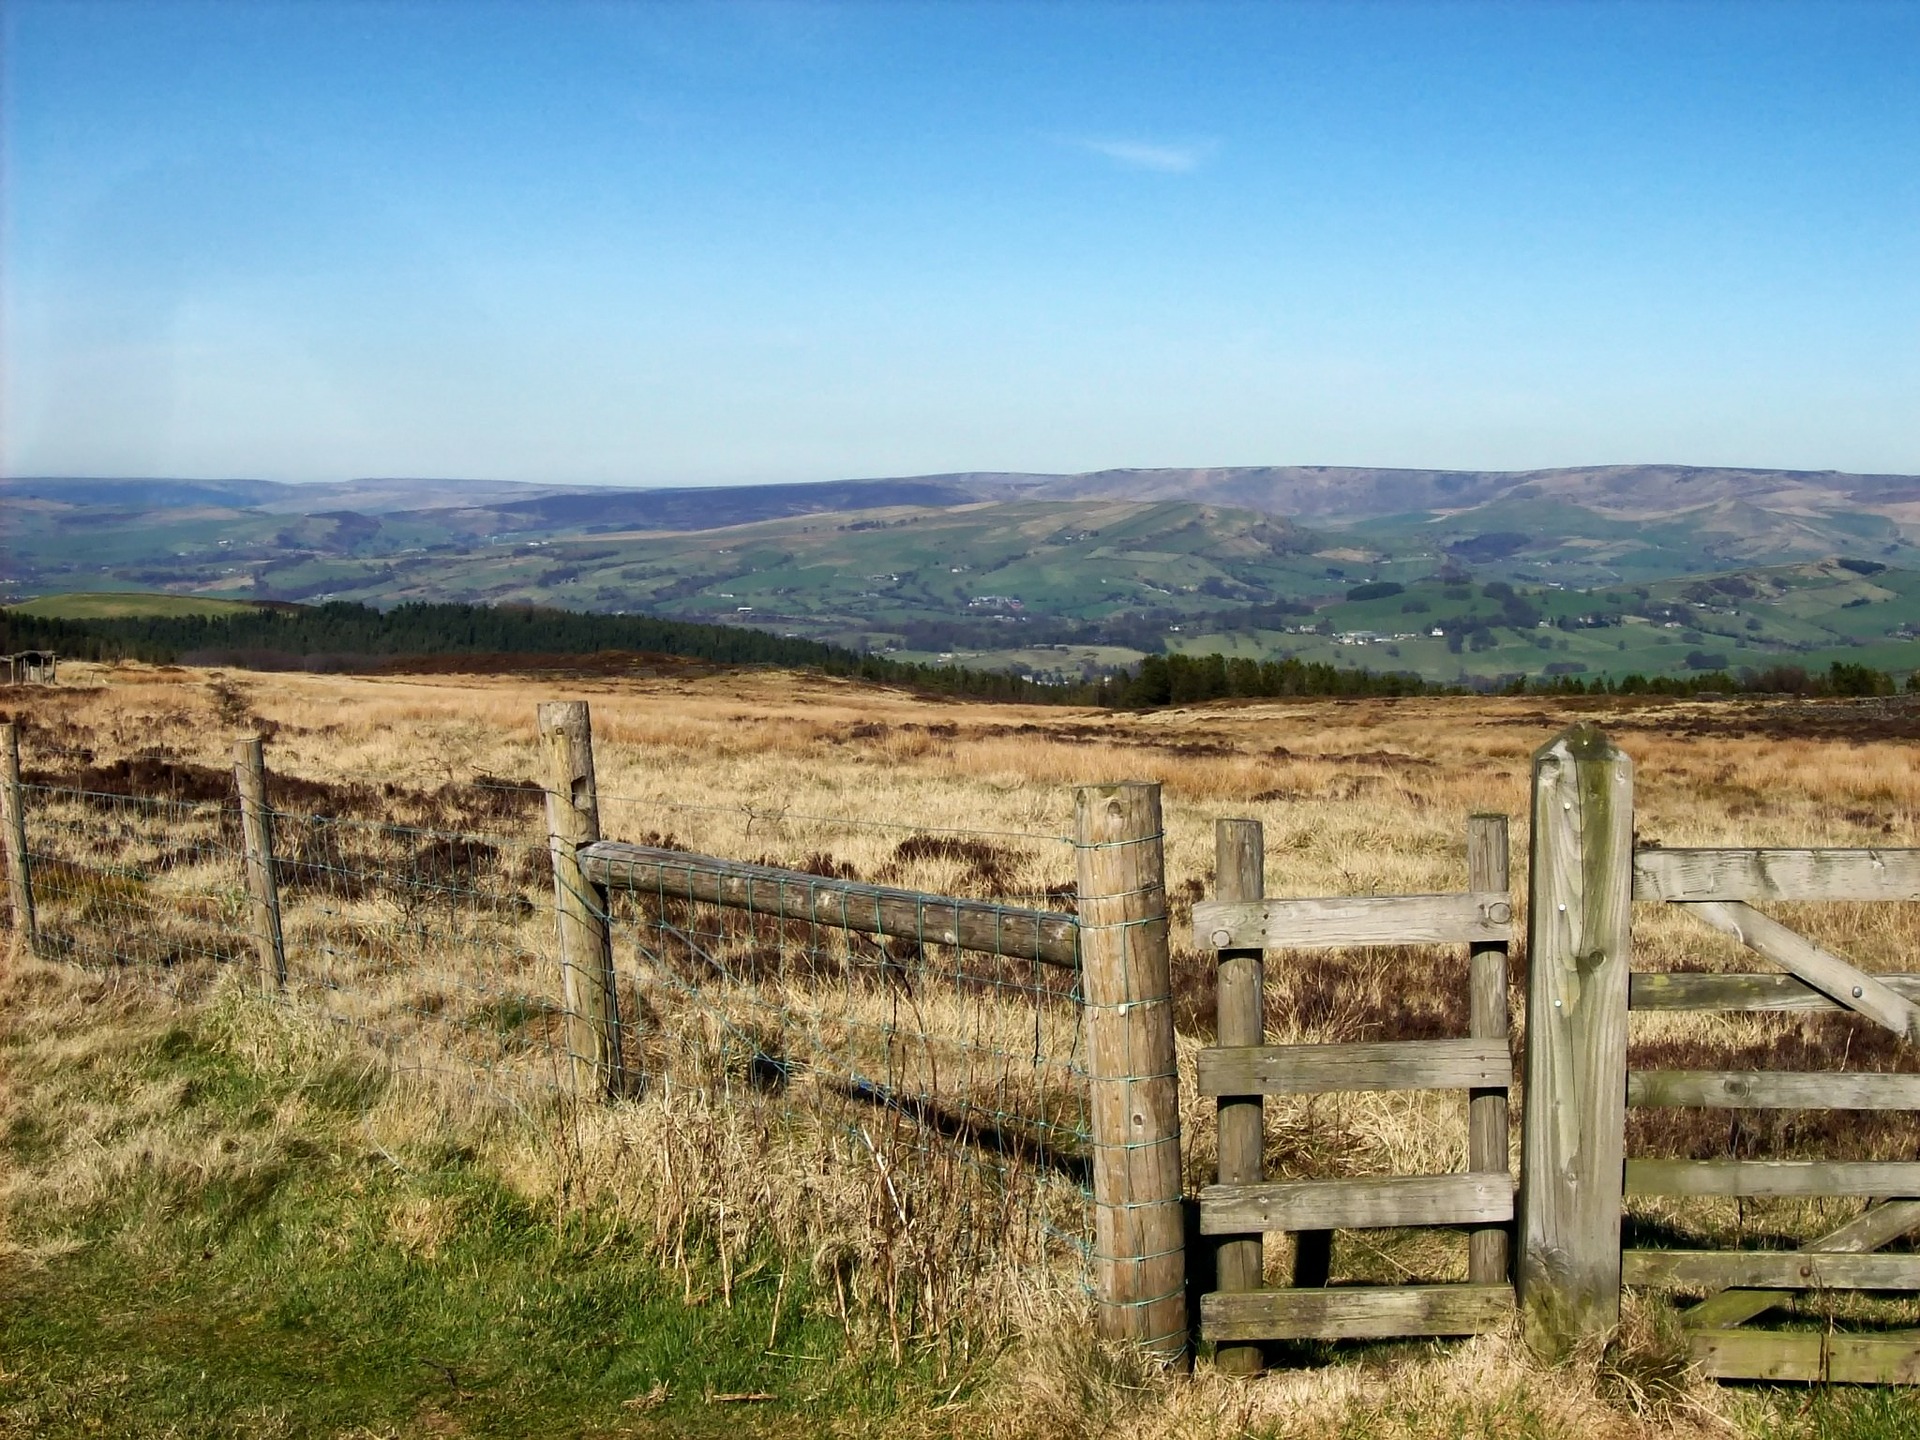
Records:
x=1011, y=1072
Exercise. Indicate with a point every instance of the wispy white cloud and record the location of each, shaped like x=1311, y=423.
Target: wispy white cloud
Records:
x=1170, y=159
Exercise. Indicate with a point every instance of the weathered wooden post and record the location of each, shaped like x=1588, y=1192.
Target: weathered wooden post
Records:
x=1487, y=1140
x=1239, y=868
x=1573, y=1131
x=580, y=907
x=13, y=820
x=1133, y=1079
x=263, y=885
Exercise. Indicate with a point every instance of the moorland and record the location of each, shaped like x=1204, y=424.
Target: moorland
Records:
x=216, y=1214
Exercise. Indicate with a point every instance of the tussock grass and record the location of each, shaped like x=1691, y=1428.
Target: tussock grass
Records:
x=874, y=1248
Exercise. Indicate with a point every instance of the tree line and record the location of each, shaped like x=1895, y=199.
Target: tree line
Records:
x=346, y=636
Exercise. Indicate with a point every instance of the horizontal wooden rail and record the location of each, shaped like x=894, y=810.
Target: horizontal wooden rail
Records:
x=1874, y=1227
x=1741, y=874
x=1890, y=1359
x=1774, y=1269
x=1772, y=1177
x=1837, y=976
x=1476, y=1198
x=1369, y=1313
x=1383, y=1065
x=1774, y=1090
x=1701, y=991
x=1043, y=935
x=1323, y=924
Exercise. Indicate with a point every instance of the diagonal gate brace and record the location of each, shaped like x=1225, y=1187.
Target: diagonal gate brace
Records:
x=1846, y=982
x=1878, y=1226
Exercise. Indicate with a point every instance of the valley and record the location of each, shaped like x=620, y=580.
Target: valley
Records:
x=1459, y=577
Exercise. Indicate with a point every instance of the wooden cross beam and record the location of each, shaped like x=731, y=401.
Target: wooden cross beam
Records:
x=1846, y=982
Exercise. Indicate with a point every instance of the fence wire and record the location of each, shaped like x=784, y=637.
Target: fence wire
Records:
x=947, y=1085
x=138, y=884
x=962, y=1072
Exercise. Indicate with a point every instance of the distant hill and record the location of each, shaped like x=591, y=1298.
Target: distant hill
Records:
x=1344, y=493
x=1059, y=573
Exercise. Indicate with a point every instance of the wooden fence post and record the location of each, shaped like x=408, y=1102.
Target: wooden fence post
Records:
x=263, y=885
x=1573, y=1131
x=580, y=907
x=13, y=820
x=1487, y=1137
x=1239, y=869
x=1133, y=1077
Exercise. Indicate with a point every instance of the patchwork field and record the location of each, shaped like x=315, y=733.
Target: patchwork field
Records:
x=224, y=1162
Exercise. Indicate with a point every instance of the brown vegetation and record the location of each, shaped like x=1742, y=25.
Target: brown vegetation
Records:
x=1357, y=797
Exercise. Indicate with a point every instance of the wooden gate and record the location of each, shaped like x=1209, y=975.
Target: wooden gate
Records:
x=1241, y=926
x=1717, y=886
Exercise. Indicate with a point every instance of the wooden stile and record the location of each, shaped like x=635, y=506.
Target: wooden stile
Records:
x=1369, y=1203
x=1132, y=1073
x=1574, y=1125
x=1240, y=1260
x=1487, y=1121
x=13, y=826
x=1358, y=1313
x=1373, y=1065
x=580, y=907
x=263, y=887
x=1331, y=922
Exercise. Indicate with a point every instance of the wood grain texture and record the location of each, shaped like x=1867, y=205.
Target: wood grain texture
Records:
x=1874, y=1227
x=1044, y=935
x=1773, y=1090
x=580, y=906
x=1488, y=1258
x=13, y=831
x=1140, y=1272
x=1772, y=1177
x=263, y=888
x=1372, y=1065
x=1239, y=868
x=1892, y=1359
x=1774, y=1269
x=1693, y=991
x=1357, y=1313
x=1776, y=874
x=1843, y=981
x=1573, y=1128
x=1328, y=922
x=1371, y=1203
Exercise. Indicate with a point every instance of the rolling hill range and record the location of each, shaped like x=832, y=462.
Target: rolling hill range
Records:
x=1004, y=568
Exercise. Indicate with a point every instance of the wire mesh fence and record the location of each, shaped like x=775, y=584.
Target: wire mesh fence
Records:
x=140, y=884
x=937, y=1078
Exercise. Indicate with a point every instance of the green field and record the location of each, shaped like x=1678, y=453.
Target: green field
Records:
x=113, y=605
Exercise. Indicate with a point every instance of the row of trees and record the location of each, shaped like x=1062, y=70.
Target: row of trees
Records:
x=348, y=636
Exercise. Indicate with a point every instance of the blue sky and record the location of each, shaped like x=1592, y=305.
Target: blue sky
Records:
x=661, y=244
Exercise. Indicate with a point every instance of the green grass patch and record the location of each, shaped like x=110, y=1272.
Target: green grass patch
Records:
x=108, y=605
x=212, y=1249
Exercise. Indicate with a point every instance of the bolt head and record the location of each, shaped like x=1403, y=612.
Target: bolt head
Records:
x=1222, y=939
x=1858, y=992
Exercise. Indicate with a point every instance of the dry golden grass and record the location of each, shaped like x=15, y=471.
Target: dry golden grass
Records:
x=1356, y=797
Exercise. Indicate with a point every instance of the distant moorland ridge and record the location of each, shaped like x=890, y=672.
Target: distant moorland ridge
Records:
x=1325, y=493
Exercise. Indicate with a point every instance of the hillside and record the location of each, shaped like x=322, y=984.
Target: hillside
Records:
x=1055, y=573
